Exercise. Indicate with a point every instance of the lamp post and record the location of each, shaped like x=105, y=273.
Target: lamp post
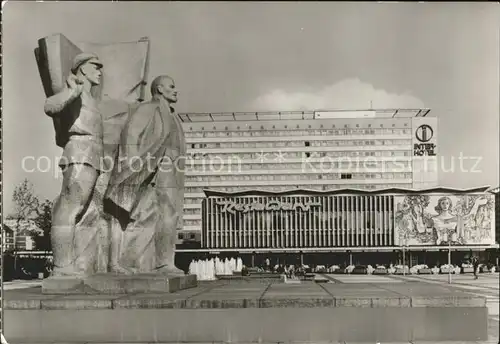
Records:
x=404, y=270
x=15, y=255
x=449, y=258
x=405, y=243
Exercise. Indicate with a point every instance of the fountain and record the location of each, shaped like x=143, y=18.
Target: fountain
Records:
x=239, y=265
x=203, y=269
x=208, y=269
x=232, y=265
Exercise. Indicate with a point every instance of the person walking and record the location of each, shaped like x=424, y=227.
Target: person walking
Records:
x=475, y=264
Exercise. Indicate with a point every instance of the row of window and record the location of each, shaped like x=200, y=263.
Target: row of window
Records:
x=266, y=156
x=239, y=168
x=248, y=132
x=196, y=223
x=280, y=188
x=186, y=236
x=294, y=177
x=360, y=143
x=282, y=144
x=327, y=167
x=192, y=211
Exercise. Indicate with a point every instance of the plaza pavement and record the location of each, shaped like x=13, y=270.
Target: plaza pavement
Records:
x=487, y=286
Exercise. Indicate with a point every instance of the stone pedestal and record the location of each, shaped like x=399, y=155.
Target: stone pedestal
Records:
x=118, y=284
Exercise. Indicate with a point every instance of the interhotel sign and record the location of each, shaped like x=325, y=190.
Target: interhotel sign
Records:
x=233, y=207
x=424, y=134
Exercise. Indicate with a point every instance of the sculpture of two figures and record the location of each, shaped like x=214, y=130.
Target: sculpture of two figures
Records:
x=122, y=192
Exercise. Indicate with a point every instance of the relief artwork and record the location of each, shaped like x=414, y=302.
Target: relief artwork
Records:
x=444, y=220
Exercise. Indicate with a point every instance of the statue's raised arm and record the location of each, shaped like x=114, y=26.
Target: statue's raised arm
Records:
x=56, y=104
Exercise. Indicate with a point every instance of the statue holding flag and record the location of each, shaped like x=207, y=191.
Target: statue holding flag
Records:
x=113, y=216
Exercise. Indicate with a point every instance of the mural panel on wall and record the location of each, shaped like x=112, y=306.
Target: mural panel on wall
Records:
x=438, y=220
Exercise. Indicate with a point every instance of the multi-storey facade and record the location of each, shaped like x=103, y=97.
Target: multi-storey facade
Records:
x=316, y=150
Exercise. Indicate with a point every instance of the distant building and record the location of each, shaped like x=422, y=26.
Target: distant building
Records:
x=17, y=234
x=7, y=238
x=323, y=187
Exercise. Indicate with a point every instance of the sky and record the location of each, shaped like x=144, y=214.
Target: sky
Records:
x=250, y=56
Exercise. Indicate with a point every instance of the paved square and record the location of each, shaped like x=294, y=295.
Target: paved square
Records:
x=362, y=279
x=487, y=285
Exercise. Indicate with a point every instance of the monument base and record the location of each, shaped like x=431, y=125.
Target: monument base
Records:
x=251, y=312
x=118, y=284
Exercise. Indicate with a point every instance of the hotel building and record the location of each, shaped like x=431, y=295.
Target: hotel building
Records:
x=317, y=150
x=317, y=181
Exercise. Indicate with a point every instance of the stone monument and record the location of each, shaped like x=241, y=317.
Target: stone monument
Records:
x=146, y=188
x=81, y=159
x=114, y=226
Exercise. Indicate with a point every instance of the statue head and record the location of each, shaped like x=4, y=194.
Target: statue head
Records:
x=87, y=67
x=163, y=86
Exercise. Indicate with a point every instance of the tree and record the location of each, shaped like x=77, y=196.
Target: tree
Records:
x=43, y=221
x=26, y=203
x=27, y=207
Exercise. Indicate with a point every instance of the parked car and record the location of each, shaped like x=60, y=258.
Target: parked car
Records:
x=380, y=270
x=359, y=270
x=484, y=268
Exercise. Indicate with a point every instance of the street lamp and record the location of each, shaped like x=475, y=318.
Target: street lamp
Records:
x=405, y=243
x=449, y=257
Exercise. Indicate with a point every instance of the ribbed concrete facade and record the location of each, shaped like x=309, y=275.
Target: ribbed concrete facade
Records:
x=298, y=222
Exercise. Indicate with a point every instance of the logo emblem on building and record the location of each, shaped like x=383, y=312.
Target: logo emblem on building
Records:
x=424, y=133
